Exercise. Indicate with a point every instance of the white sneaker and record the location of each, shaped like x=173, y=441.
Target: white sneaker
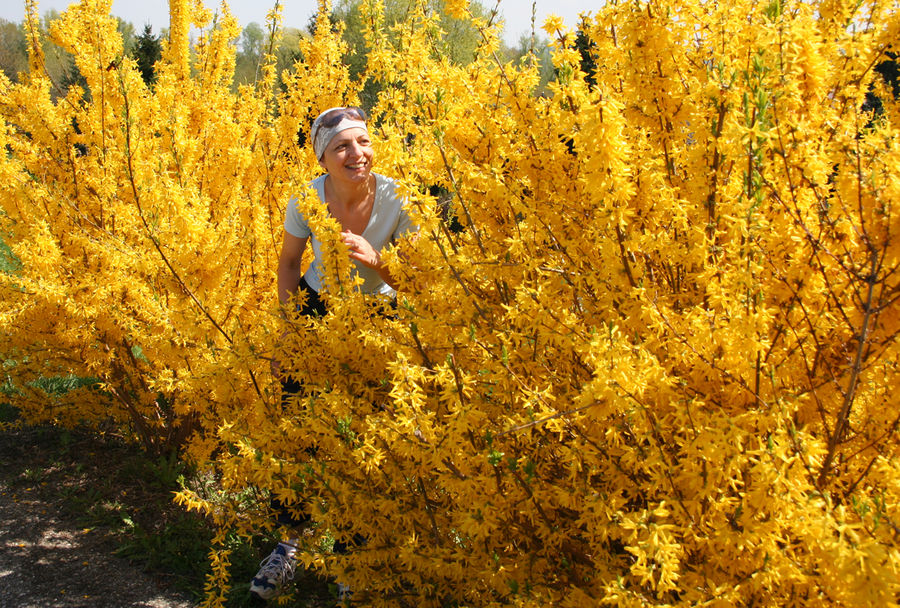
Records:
x=275, y=572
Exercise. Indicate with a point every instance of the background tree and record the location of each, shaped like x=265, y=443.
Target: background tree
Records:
x=55, y=61
x=146, y=52
x=250, y=54
x=533, y=50
x=13, y=49
x=449, y=37
x=288, y=50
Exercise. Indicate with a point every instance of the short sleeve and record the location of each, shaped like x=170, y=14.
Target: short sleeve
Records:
x=405, y=224
x=399, y=209
x=294, y=222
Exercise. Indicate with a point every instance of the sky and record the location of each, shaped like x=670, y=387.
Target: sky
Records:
x=516, y=13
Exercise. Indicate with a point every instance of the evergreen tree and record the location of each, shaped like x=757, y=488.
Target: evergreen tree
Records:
x=587, y=49
x=887, y=69
x=146, y=52
x=72, y=76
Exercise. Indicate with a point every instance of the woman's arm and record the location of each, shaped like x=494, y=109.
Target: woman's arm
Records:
x=292, y=248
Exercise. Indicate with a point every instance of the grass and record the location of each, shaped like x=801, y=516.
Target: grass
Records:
x=8, y=262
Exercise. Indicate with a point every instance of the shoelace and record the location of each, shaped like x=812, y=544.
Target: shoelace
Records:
x=278, y=566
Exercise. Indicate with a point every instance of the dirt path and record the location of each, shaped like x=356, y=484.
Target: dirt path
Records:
x=47, y=561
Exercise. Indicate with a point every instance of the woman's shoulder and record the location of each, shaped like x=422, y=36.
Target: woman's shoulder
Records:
x=385, y=187
x=318, y=184
x=383, y=181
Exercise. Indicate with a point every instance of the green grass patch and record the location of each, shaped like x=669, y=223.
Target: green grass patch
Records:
x=9, y=263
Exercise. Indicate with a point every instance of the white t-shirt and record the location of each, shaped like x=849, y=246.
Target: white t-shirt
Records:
x=389, y=221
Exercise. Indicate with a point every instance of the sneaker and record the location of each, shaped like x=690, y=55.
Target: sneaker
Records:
x=344, y=594
x=275, y=573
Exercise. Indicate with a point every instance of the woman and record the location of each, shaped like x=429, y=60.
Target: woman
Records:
x=371, y=216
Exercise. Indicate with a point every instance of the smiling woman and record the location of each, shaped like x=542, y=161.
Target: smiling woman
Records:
x=364, y=204
x=371, y=217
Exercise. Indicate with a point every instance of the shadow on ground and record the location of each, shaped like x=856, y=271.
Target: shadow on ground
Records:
x=49, y=563
x=50, y=556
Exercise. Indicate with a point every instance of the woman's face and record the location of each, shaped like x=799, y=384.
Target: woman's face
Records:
x=348, y=156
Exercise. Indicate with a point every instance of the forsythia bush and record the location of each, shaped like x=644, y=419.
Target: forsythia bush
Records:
x=646, y=339
x=144, y=223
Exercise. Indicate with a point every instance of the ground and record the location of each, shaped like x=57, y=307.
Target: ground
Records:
x=87, y=520
x=48, y=562
x=52, y=555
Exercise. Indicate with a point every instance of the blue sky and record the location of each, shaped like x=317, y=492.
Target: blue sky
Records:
x=517, y=13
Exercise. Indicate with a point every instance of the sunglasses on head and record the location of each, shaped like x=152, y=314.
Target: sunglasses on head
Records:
x=333, y=118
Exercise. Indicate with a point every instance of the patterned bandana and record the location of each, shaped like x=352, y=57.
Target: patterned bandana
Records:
x=324, y=129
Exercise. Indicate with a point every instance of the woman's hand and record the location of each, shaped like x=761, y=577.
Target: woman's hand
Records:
x=361, y=250
x=365, y=254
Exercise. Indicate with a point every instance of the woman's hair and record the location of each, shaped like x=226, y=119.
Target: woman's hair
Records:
x=331, y=122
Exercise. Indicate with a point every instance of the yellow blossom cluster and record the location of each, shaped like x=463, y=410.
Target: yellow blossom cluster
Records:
x=645, y=341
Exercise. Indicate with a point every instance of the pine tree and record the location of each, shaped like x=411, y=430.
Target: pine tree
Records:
x=147, y=51
x=587, y=48
x=887, y=69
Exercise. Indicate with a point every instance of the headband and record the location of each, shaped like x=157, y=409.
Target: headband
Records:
x=321, y=134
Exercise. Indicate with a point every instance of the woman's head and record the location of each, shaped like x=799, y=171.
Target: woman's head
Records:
x=333, y=121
